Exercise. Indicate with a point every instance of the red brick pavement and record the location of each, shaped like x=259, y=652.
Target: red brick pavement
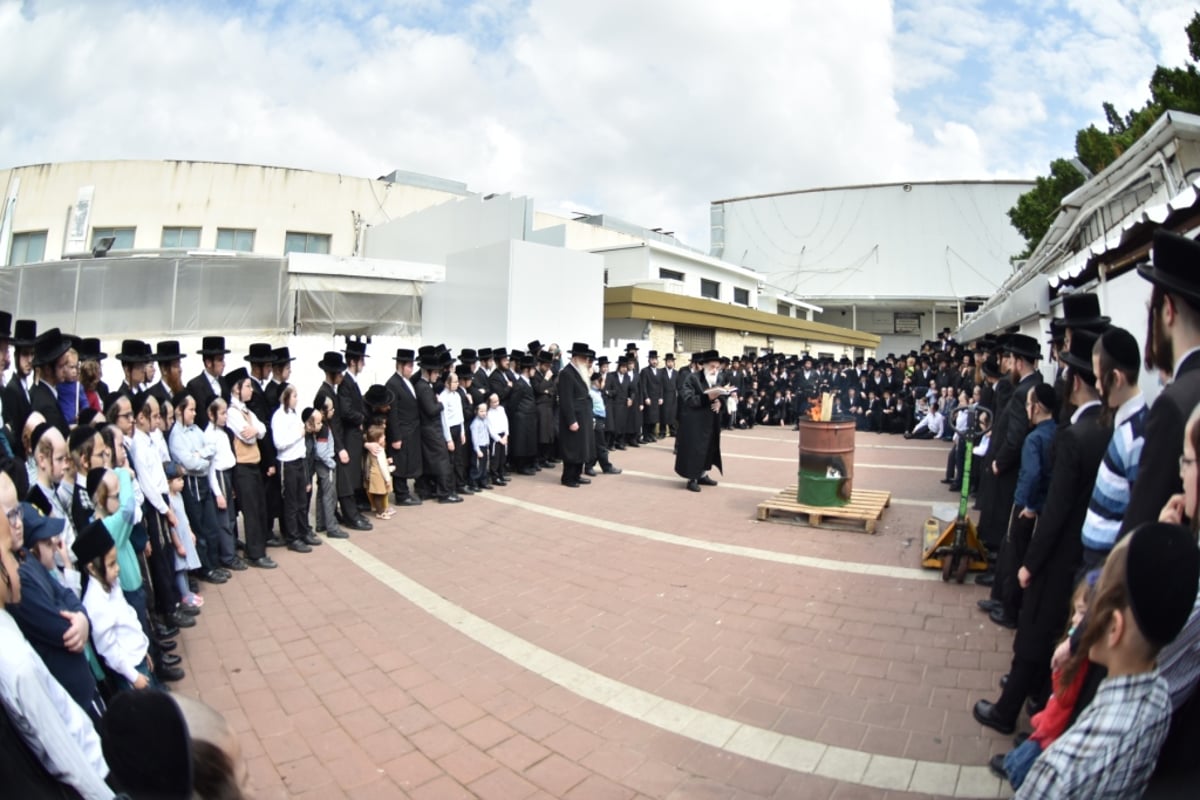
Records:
x=338, y=686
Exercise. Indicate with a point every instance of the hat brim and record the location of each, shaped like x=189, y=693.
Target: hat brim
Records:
x=1087, y=323
x=259, y=360
x=1168, y=282
x=54, y=355
x=327, y=367
x=213, y=352
x=1028, y=355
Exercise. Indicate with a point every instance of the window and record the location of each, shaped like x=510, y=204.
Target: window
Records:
x=294, y=242
x=783, y=310
x=710, y=289
x=741, y=296
x=694, y=340
x=123, y=237
x=669, y=275
x=27, y=248
x=240, y=239
x=181, y=237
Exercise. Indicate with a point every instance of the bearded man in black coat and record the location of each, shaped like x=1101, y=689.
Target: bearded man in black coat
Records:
x=698, y=445
x=575, y=423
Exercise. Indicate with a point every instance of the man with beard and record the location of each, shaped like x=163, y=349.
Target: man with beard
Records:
x=575, y=423
x=404, y=430
x=1174, y=347
x=698, y=446
x=435, y=456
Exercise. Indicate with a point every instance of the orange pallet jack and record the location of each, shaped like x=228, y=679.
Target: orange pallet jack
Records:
x=958, y=549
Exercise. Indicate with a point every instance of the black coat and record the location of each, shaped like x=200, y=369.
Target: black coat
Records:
x=618, y=387
x=435, y=456
x=1158, y=469
x=404, y=426
x=500, y=382
x=670, y=406
x=43, y=400
x=575, y=408
x=1056, y=549
x=522, y=420
x=698, y=442
x=650, y=383
x=199, y=388
x=350, y=407
x=545, y=391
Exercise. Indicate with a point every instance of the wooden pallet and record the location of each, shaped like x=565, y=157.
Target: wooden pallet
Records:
x=866, y=506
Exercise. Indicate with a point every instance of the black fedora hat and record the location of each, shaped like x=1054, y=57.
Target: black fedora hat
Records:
x=1079, y=357
x=1082, y=311
x=631, y=347
x=602, y=361
x=535, y=346
x=527, y=362
x=49, y=347
x=89, y=350
x=403, y=354
x=429, y=361
x=282, y=355
x=1025, y=347
x=379, y=396
x=499, y=353
x=168, y=351
x=260, y=353
x=212, y=346
x=709, y=355
x=485, y=353
x=464, y=371
x=24, y=333
x=1058, y=330
x=468, y=356
x=578, y=349
x=356, y=347
x=5, y=325
x=332, y=362
x=135, y=351
x=1172, y=264
x=545, y=357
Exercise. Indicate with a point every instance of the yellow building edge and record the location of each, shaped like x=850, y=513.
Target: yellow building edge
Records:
x=632, y=302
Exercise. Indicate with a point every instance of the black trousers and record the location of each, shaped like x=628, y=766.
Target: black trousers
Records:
x=572, y=470
x=460, y=459
x=1026, y=678
x=601, y=449
x=249, y=481
x=1006, y=588
x=202, y=515
x=295, y=499
x=161, y=564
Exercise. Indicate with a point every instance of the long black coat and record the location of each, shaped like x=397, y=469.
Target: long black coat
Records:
x=43, y=400
x=353, y=412
x=404, y=426
x=670, y=406
x=522, y=420
x=1008, y=435
x=1158, y=469
x=199, y=388
x=650, y=385
x=575, y=407
x=435, y=456
x=1056, y=549
x=545, y=391
x=618, y=387
x=698, y=442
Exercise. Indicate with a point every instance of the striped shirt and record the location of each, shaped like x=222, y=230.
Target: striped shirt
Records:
x=1118, y=471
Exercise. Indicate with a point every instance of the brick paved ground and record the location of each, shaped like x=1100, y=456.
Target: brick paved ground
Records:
x=340, y=685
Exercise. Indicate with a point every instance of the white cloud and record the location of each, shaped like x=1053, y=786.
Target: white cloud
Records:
x=642, y=110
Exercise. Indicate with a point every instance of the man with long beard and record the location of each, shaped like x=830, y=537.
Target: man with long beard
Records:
x=575, y=424
x=698, y=445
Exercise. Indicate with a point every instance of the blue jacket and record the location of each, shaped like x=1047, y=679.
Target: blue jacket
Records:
x=1033, y=479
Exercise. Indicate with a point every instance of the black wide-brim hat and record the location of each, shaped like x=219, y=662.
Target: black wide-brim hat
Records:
x=467, y=356
x=535, y=346
x=1082, y=311
x=356, y=348
x=135, y=351
x=89, y=350
x=528, y=362
x=332, y=362
x=1172, y=264
x=49, y=347
x=24, y=333
x=485, y=353
x=213, y=346
x=498, y=353
x=464, y=371
x=1024, y=346
x=545, y=357
x=167, y=351
x=5, y=325
x=260, y=353
x=379, y=396
x=578, y=349
x=404, y=355
x=282, y=355
x=1079, y=357
x=709, y=355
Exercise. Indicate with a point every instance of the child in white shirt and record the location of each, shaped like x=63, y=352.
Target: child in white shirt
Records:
x=497, y=420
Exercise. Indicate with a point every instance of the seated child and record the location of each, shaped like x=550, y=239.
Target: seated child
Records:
x=116, y=633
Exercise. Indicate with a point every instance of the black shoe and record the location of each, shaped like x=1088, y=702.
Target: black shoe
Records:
x=633, y=444
x=693, y=486
x=165, y=645
x=408, y=501
x=500, y=482
x=484, y=487
x=237, y=565
x=168, y=674
x=450, y=498
x=161, y=631
x=985, y=714
x=313, y=539
x=213, y=576
x=985, y=579
x=611, y=470
x=988, y=605
x=339, y=534
x=619, y=447
x=299, y=546
x=181, y=620
x=585, y=480
x=359, y=523
x=1004, y=680
x=591, y=473
x=571, y=484
x=466, y=490
x=1004, y=621
x=954, y=489
x=996, y=765
x=169, y=660
x=947, y=480
x=527, y=471
x=707, y=481
x=191, y=611
x=275, y=541
x=320, y=529
x=263, y=562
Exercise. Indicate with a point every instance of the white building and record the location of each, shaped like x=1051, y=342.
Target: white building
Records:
x=900, y=260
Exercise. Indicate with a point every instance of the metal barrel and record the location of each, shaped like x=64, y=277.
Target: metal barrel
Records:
x=824, y=445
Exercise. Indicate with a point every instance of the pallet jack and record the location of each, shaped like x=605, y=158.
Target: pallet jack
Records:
x=958, y=548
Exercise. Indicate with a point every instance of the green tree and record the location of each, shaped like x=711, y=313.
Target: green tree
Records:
x=1175, y=89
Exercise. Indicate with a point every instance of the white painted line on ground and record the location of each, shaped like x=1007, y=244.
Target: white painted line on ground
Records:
x=789, y=752
x=853, y=568
x=903, y=467
x=773, y=490
x=792, y=441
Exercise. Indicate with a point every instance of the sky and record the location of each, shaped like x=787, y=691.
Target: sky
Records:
x=647, y=110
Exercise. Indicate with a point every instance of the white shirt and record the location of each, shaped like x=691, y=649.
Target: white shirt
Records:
x=223, y=459
x=452, y=411
x=116, y=633
x=497, y=420
x=52, y=724
x=148, y=466
x=287, y=429
x=239, y=417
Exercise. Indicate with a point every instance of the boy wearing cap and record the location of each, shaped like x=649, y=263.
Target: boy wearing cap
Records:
x=1142, y=600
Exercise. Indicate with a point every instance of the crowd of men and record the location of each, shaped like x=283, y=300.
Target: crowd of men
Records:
x=119, y=503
